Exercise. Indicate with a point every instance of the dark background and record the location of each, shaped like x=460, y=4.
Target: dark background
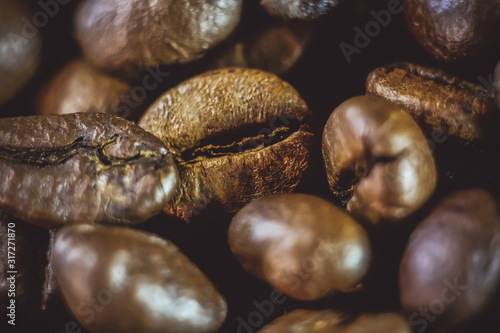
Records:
x=325, y=79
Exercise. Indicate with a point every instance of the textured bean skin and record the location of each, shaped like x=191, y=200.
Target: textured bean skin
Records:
x=377, y=159
x=114, y=36
x=280, y=237
x=19, y=56
x=223, y=127
x=435, y=99
x=299, y=9
x=146, y=284
x=454, y=256
x=328, y=321
x=452, y=30
x=82, y=168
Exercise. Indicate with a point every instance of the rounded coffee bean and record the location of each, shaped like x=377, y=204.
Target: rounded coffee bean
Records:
x=236, y=134
x=122, y=280
x=377, y=159
x=439, y=102
x=20, y=48
x=300, y=244
x=452, y=30
x=329, y=321
x=127, y=34
x=79, y=87
x=82, y=168
x=451, y=264
x=298, y=9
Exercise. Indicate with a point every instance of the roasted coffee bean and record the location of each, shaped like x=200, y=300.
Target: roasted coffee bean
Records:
x=300, y=244
x=275, y=49
x=79, y=87
x=328, y=321
x=439, y=102
x=19, y=56
x=82, y=168
x=236, y=134
x=135, y=34
x=452, y=261
x=377, y=159
x=122, y=280
x=452, y=30
x=299, y=9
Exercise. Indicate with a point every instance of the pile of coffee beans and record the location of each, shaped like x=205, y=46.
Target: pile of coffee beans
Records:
x=230, y=166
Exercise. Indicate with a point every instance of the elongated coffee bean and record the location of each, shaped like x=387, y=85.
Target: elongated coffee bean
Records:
x=377, y=159
x=236, y=134
x=452, y=260
x=438, y=101
x=82, y=168
x=300, y=244
x=328, y=321
x=119, y=280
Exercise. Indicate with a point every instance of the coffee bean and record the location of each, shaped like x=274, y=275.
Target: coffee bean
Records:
x=437, y=100
x=79, y=87
x=133, y=33
x=328, y=321
x=451, y=264
x=82, y=168
x=20, y=48
x=453, y=30
x=298, y=9
x=121, y=280
x=300, y=244
x=236, y=134
x=377, y=159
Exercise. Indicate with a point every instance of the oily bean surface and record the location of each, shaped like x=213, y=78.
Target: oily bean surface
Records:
x=298, y=9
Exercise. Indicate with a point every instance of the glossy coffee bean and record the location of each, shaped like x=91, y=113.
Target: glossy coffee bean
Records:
x=121, y=280
x=79, y=87
x=452, y=30
x=19, y=55
x=117, y=34
x=82, y=168
x=377, y=159
x=438, y=101
x=329, y=321
x=298, y=9
x=236, y=134
x=300, y=244
x=451, y=264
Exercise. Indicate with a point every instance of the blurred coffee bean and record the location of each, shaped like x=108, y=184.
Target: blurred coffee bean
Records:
x=377, y=159
x=82, y=168
x=451, y=266
x=329, y=321
x=79, y=87
x=121, y=280
x=453, y=30
x=236, y=134
x=298, y=9
x=20, y=48
x=438, y=101
x=118, y=35
x=300, y=244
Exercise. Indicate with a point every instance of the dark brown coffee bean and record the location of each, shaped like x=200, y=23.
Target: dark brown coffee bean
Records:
x=275, y=49
x=377, y=159
x=452, y=30
x=438, y=101
x=133, y=33
x=79, y=87
x=19, y=53
x=299, y=9
x=236, y=134
x=122, y=280
x=82, y=168
x=452, y=261
x=300, y=244
x=329, y=321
